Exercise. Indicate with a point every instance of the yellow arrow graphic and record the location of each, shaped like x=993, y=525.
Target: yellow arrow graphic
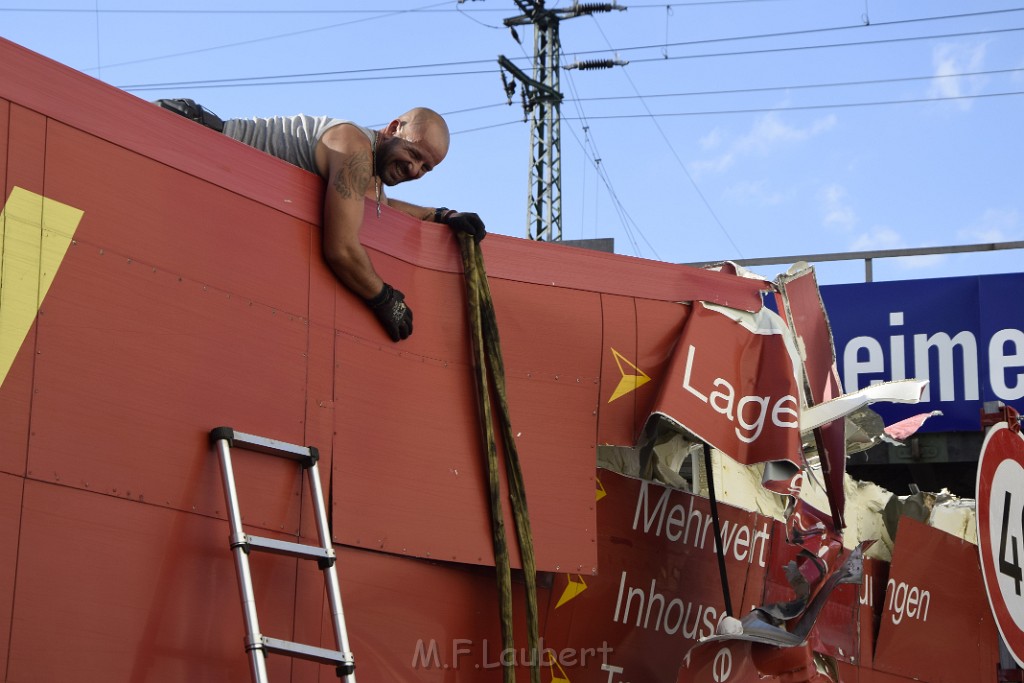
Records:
x=562, y=677
x=35, y=233
x=629, y=382
x=573, y=588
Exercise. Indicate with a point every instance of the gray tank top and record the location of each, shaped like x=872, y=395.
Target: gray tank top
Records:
x=292, y=138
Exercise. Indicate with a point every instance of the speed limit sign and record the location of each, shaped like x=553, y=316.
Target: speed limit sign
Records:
x=1000, y=499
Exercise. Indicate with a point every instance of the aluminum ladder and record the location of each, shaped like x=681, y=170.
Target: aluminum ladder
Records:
x=256, y=644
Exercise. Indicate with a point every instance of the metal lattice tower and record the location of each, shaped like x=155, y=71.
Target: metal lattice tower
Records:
x=541, y=102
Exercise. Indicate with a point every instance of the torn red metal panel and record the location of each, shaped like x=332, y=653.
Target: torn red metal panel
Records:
x=633, y=379
x=934, y=597
x=659, y=588
x=835, y=630
x=758, y=584
x=805, y=313
x=850, y=674
x=659, y=326
x=733, y=388
x=871, y=598
x=904, y=429
x=724, y=661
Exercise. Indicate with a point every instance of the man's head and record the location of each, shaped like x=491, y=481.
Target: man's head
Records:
x=411, y=145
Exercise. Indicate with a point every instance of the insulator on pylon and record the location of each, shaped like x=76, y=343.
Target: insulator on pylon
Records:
x=591, y=64
x=594, y=7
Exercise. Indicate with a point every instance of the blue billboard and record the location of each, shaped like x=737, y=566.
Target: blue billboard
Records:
x=965, y=335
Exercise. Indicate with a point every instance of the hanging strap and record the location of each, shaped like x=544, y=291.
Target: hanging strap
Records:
x=717, y=525
x=490, y=369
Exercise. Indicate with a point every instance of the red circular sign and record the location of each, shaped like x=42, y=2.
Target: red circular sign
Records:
x=1000, y=512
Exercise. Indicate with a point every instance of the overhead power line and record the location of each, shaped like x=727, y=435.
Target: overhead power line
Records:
x=671, y=147
x=261, y=82
x=831, y=105
x=333, y=76
x=806, y=86
x=798, y=48
x=381, y=15
x=763, y=110
x=830, y=29
x=433, y=9
x=299, y=12
x=663, y=46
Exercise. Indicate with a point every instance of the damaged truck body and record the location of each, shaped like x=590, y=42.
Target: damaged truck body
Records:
x=681, y=432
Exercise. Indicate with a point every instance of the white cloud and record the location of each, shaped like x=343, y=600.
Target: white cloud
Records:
x=837, y=213
x=719, y=164
x=881, y=237
x=878, y=237
x=757, y=192
x=711, y=140
x=950, y=59
x=995, y=225
x=767, y=134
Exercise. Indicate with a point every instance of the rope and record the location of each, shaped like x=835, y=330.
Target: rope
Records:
x=487, y=356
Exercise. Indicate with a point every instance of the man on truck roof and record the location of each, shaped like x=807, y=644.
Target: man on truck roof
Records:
x=355, y=162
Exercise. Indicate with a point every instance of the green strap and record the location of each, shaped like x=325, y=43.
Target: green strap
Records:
x=487, y=357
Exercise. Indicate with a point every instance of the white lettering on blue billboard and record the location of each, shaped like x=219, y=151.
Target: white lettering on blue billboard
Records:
x=964, y=335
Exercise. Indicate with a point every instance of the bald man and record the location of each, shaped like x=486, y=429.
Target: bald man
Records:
x=356, y=162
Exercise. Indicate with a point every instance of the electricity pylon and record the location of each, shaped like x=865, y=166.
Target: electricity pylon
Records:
x=541, y=103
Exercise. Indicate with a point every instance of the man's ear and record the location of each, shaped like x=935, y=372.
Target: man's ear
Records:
x=392, y=128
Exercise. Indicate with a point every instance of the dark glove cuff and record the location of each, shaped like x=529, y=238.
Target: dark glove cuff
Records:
x=442, y=214
x=385, y=293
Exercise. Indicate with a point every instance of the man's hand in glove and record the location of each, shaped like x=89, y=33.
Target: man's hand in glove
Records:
x=392, y=312
x=468, y=223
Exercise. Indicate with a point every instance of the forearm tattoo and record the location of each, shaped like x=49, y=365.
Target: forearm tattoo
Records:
x=353, y=177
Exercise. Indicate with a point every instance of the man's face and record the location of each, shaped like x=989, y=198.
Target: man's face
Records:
x=409, y=154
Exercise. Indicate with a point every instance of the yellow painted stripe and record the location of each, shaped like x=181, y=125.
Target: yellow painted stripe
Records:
x=35, y=233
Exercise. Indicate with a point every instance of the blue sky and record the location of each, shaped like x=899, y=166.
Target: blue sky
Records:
x=738, y=128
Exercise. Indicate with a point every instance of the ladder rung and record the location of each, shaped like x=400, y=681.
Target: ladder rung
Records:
x=306, y=455
x=310, y=652
x=272, y=545
x=259, y=646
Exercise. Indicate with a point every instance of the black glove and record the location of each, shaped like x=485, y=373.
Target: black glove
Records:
x=191, y=110
x=390, y=309
x=468, y=223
